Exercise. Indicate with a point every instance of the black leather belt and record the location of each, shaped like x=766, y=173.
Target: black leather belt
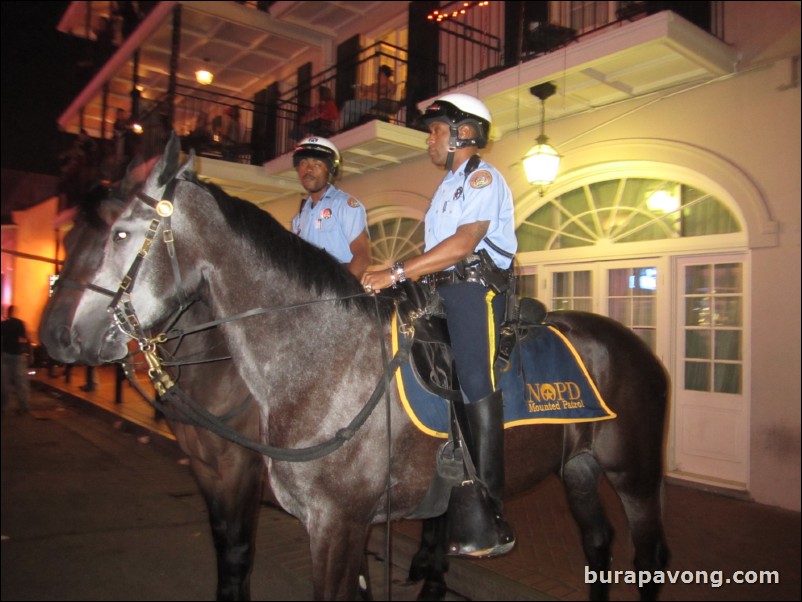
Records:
x=452, y=277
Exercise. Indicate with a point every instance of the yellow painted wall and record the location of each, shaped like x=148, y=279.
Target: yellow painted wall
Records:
x=35, y=235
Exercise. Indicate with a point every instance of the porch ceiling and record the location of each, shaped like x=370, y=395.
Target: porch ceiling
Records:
x=244, y=48
x=624, y=61
x=654, y=54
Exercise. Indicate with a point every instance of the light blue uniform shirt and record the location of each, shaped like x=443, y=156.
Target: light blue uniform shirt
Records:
x=482, y=196
x=332, y=224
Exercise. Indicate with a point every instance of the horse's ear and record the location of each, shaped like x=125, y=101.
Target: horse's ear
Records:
x=189, y=164
x=132, y=177
x=167, y=168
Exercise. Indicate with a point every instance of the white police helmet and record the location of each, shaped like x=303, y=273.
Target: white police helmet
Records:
x=459, y=109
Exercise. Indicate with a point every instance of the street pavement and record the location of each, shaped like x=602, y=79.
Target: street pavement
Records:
x=97, y=509
x=99, y=504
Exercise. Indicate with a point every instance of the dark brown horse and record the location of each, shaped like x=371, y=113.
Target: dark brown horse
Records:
x=311, y=355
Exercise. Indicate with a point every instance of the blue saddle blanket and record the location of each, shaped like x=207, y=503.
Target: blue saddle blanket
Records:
x=546, y=383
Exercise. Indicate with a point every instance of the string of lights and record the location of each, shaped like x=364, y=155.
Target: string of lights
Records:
x=454, y=10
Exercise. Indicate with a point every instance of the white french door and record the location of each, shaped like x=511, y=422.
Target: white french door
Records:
x=630, y=291
x=711, y=409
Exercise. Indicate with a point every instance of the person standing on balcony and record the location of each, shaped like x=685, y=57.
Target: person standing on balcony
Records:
x=469, y=246
x=330, y=218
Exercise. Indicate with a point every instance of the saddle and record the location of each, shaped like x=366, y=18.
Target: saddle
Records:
x=431, y=358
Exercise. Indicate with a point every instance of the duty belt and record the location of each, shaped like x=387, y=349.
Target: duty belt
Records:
x=452, y=277
x=470, y=274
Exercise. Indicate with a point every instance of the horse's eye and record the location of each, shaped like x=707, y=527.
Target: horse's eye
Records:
x=120, y=235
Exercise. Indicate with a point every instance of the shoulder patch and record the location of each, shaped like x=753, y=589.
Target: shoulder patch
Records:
x=352, y=202
x=481, y=179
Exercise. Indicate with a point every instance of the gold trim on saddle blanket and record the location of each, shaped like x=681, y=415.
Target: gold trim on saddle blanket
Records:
x=531, y=409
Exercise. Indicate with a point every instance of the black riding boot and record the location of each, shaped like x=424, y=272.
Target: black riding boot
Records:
x=476, y=523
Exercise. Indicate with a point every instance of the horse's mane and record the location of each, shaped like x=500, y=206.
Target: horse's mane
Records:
x=289, y=253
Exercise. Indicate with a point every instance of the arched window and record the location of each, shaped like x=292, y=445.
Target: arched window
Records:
x=395, y=239
x=624, y=210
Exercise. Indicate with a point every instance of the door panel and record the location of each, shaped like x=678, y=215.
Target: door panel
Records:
x=711, y=403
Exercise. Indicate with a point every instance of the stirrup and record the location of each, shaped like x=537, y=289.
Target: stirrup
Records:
x=476, y=526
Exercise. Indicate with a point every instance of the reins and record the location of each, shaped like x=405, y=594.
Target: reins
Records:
x=182, y=404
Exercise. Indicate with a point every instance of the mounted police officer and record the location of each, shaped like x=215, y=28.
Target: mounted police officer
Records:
x=329, y=218
x=469, y=245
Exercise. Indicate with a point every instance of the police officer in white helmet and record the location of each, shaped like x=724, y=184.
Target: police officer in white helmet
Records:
x=330, y=218
x=470, y=243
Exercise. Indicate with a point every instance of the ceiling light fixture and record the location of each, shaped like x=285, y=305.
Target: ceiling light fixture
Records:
x=542, y=161
x=203, y=76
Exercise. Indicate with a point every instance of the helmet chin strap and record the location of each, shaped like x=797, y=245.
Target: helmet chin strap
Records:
x=454, y=143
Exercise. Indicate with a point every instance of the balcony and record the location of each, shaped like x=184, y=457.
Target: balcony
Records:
x=627, y=59
x=624, y=60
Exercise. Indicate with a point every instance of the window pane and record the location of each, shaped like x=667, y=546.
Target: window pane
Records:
x=619, y=310
x=697, y=344
x=582, y=284
x=728, y=345
x=618, y=283
x=644, y=281
x=728, y=311
x=728, y=378
x=562, y=284
x=729, y=278
x=697, y=376
x=643, y=312
x=697, y=311
x=704, y=215
x=697, y=279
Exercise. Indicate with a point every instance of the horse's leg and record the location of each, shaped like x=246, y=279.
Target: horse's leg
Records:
x=338, y=547
x=430, y=562
x=231, y=484
x=581, y=476
x=643, y=507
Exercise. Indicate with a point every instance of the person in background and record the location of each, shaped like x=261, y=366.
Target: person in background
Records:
x=15, y=345
x=232, y=132
x=469, y=246
x=382, y=90
x=201, y=135
x=330, y=218
x=320, y=120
